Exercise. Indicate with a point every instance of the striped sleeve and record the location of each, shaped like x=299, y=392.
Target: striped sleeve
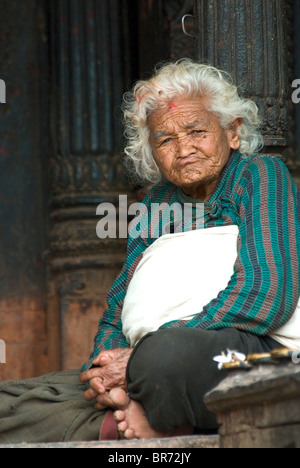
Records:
x=110, y=334
x=265, y=287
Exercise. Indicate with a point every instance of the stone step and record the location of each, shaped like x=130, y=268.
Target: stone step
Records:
x=259, y=408
x=187, y=442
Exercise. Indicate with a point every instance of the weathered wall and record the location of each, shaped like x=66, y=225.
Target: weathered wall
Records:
x=23, y=212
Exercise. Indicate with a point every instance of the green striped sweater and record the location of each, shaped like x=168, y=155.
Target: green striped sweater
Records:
x=258, y=194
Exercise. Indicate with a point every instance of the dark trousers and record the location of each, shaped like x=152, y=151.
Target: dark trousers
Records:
x=171, y=370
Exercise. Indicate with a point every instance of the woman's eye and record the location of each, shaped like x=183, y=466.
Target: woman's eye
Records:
x=167, y=140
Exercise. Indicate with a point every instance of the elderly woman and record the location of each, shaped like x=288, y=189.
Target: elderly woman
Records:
x=228, y=279
x=212, y=264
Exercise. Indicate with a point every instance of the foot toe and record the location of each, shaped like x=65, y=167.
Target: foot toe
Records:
x=123, y=426
x=119, y=397
x=129, y=434
x=119, y=416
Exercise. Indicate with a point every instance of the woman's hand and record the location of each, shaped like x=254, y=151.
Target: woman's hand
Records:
x=110, y=374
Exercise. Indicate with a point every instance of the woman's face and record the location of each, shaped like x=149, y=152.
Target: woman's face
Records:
x=189, y=145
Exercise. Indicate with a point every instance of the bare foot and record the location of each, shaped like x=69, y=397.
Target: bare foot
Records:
x=131, y=417
x=132, y=420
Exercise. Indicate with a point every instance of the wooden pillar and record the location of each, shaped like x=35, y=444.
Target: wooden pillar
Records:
x=249, y=39
x=89, y=68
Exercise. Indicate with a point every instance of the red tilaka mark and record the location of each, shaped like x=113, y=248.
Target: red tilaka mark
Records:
x=172, y=106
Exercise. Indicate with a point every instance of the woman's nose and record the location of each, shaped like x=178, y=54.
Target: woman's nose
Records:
x=184, y=147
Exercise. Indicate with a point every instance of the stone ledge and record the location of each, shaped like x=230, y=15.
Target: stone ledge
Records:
x=259, y=408
x=189, y=442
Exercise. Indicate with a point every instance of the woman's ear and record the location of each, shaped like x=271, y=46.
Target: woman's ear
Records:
x=234, y=138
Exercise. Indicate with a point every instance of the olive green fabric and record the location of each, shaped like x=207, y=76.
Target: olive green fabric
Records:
x=50, y=408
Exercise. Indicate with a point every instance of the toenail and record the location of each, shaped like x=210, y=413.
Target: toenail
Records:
x=118, y=416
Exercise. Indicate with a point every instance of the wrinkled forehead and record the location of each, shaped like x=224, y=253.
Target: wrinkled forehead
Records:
x=181, y=111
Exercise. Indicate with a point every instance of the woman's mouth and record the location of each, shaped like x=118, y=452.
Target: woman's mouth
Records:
x=187, y=160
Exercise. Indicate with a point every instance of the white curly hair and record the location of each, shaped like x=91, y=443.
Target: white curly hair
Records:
x=189, y=78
